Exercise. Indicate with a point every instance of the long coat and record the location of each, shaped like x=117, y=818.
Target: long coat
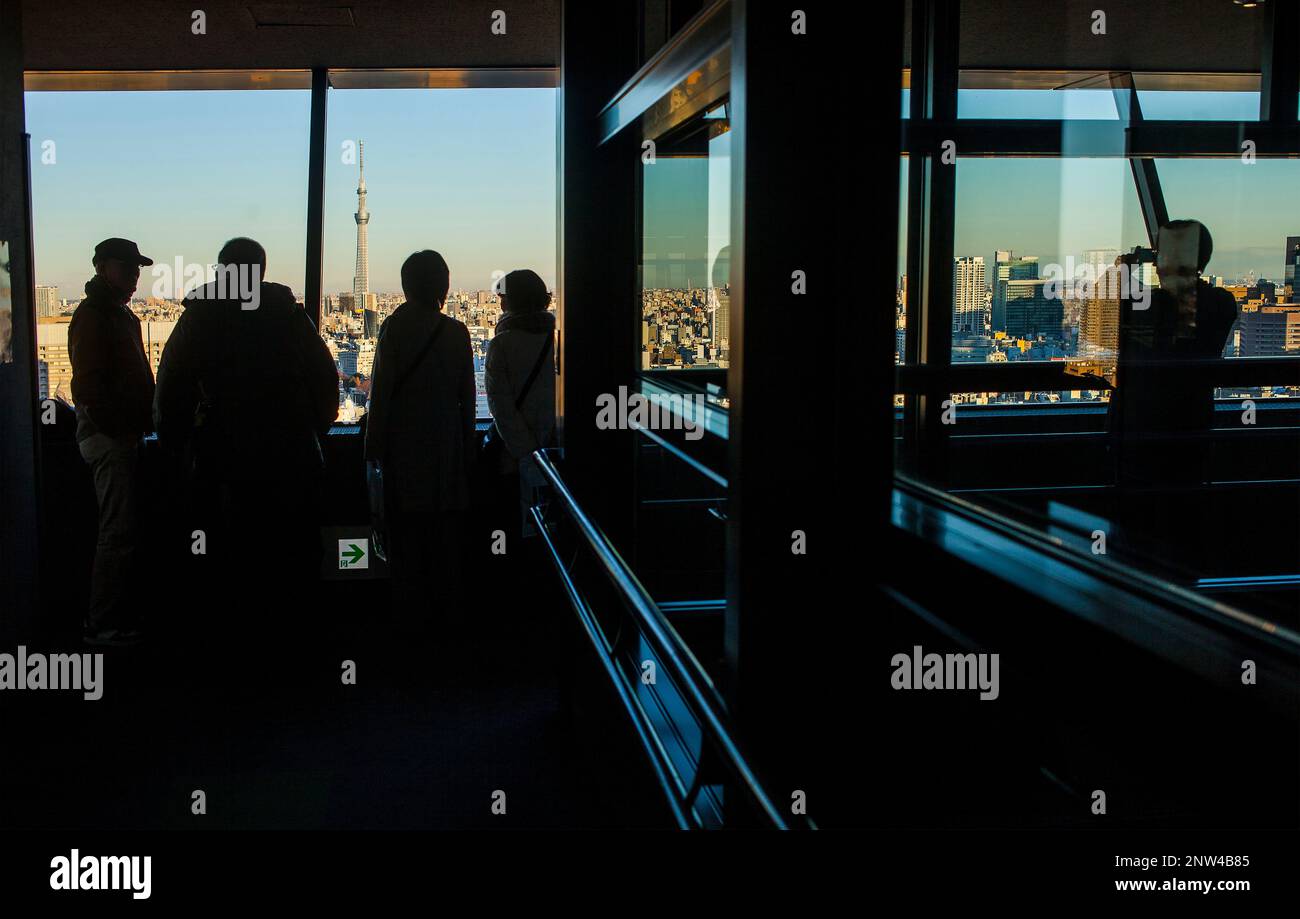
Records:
x=422, y=432
x=512, y=355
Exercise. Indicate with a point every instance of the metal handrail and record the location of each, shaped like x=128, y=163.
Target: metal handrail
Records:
x=659, y=756
x=693, y=683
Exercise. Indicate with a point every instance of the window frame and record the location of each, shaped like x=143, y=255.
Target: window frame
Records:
x=927, y=376
x=319, y=81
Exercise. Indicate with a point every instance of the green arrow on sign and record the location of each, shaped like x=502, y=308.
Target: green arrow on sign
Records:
x=355, y=553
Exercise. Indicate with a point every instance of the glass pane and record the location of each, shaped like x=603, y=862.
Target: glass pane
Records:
x=1065, y=96
x=1022, y=224
x=685, y=273
x=1056, y=103
x=115, y=164
x=1250, y=210
x=900, y=295
x=1185, y=105
x=686, y=246
x=469, y=173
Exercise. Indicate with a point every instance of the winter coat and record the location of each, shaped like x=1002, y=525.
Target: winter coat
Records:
x=112, y=384
x=250, y=390
x=422, y=433
x=511, y=356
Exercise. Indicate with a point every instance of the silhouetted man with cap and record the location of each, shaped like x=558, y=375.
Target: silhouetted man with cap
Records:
x=113, y=389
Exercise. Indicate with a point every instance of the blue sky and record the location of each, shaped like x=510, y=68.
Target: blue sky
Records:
x=470, y=172
x=1053, y=208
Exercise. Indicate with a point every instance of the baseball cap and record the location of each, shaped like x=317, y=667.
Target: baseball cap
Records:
x=122, y=249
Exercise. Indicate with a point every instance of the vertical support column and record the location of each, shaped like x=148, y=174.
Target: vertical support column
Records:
x=19, y=441
x=810, y=382
x=932, y=201
x=598, y=300
x=1280, y=64
x=312, y=300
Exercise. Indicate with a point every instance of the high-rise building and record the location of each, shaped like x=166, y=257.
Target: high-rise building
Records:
x=361, y=280
x=347, y=358
x=721, y=308
x=719, y=302
x=154, y=334
x=1099, y=317
x=1270, y=331
x=968, y=295
x=1030, y=313
x=1009, y=268
x=365, y=357
x=1105, y=281
x=52, y=352
x=1260, y=293
x=47, y=302
x=1291, y=272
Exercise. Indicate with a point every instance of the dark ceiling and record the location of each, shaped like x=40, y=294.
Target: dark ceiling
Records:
x=155, y=34
x=1141, y=35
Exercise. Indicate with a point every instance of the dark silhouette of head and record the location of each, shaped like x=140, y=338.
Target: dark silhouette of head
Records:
x=426, y=278
x=118, y=261
x=242, y=252
x=523, y=291
x=1184, y=248
x=1206, y=247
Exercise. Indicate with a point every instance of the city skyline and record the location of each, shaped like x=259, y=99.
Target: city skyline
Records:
x=469, y=172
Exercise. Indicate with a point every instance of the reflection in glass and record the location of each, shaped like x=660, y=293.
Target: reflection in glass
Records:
x=686, y=251
x=1034, y=276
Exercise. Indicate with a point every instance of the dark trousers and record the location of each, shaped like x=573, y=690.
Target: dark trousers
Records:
x=424, y=557
x=113, y=465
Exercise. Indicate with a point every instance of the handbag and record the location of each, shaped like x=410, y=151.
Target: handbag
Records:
x=375, y=470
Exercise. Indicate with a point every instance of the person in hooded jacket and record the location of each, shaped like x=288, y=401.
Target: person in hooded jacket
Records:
x=519, y=375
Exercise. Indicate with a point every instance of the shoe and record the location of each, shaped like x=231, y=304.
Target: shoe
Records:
x=113, y=638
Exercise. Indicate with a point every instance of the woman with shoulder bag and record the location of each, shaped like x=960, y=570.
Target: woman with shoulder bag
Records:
x=520, y=381
x=419, y=440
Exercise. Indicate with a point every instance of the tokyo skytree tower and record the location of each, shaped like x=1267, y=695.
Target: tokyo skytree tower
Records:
x=361, y=280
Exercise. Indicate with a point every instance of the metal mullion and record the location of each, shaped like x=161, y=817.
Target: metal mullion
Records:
x=1043, y=138
x=312, y=283
x=1146, y=178
x=1279, y=88
x=933, y=193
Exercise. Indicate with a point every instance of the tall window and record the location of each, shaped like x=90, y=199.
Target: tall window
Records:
x=178, y=172
x=686, y=249
x=469, y=173
x=1132, y=403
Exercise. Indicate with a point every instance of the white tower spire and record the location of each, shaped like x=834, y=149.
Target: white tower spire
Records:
x=361, y=280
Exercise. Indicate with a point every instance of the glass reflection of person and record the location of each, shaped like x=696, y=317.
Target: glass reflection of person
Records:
x=1165, y=402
